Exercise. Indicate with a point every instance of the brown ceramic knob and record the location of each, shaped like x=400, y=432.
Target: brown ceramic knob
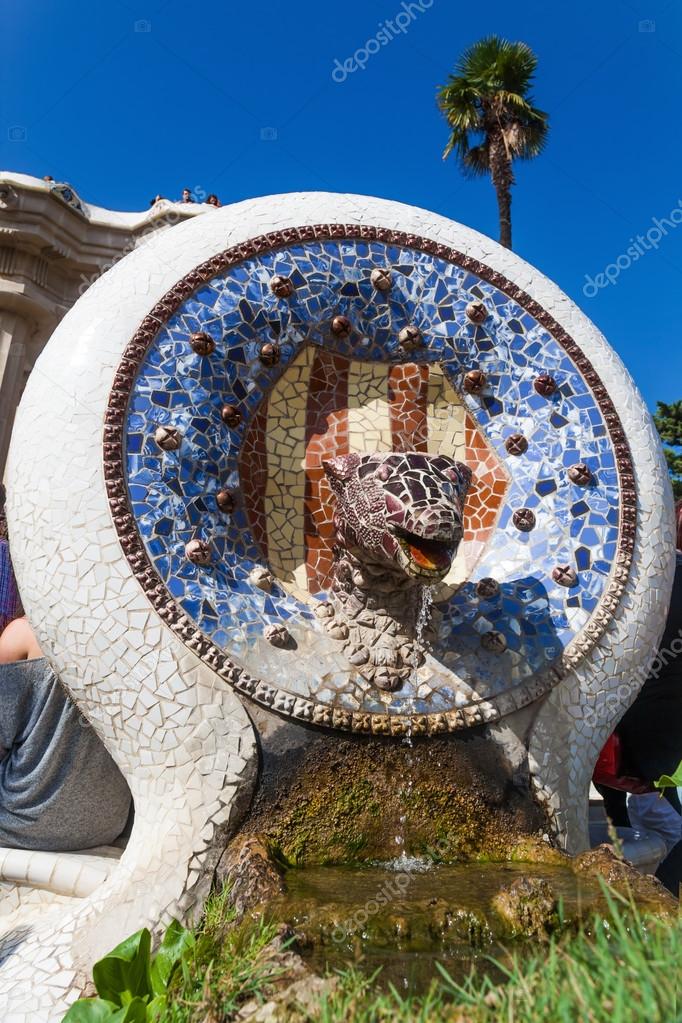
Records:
x=545, y=385
x=474, y=381
x=341, y=326
x=381, y=279
x=524, y=519
x=225, y=501
x=269, y=353
x=283, y=287
x=278, y=635
x=516, y=444
x=198, y=552
x=410, y=337
x=565, y=575
x=202, y=343
x=580, y=474
x=494, y=642
x=231, y=416
x=487, y=588
x=476, y=312
x=168, y=438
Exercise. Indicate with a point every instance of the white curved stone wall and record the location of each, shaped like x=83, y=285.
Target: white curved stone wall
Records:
x=178, y=732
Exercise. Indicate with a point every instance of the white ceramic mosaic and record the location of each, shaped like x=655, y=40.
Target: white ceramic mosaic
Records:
x=177, y=727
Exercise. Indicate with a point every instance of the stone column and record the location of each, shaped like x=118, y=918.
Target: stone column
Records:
x=15, y=332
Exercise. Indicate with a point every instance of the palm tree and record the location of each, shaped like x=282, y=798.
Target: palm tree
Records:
x=490, y=111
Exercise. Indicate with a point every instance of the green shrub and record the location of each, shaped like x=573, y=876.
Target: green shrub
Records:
x=131, y=984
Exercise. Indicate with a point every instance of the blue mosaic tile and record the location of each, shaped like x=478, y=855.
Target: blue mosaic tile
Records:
x=173, y=493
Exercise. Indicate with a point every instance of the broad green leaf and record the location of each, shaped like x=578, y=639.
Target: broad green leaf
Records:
x=90, y=1010
x=134, y=1012
x=155, y=1008
x=175, y=941
x=670, y=781
x=123, y=974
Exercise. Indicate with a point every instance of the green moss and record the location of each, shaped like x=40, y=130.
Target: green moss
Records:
x=348, y=803
x=324, y=826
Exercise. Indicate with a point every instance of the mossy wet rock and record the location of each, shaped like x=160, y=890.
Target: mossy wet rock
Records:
x=359, y=801
x=528, y=907
x=647, y=892
x=251, y=873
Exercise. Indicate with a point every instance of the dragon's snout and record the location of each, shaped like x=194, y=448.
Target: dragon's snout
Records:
x=405, y=508
x=428, y=536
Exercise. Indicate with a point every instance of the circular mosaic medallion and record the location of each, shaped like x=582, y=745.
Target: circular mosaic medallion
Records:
x=304, y=358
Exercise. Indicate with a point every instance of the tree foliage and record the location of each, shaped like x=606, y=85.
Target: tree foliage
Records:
x=668, y=420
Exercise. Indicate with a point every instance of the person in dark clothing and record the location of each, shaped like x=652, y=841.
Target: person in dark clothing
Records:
x=650, y=731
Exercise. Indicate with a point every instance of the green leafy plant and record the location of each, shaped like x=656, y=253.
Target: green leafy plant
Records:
x=670, y=781
x=131, y=983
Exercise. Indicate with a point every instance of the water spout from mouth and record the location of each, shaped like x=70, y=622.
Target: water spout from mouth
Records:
x=424, y=612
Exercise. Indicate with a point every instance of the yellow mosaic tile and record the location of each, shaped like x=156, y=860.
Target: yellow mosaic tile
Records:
x=369, y=426
x=285, y=487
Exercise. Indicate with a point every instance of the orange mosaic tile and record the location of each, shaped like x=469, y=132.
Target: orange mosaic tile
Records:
x=408, y=388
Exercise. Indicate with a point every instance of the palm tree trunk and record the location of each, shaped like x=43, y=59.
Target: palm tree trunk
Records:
x=502, y=178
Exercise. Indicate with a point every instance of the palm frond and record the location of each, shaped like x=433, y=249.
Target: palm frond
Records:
x=476, y=161
x=496, y=63
x=490, y=94
x=526, y=140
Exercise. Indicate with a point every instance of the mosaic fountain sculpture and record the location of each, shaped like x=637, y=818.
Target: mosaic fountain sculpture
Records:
x=183, y=447
x=398, y=522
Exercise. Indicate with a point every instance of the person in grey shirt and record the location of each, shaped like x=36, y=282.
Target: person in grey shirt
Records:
x=60, y=790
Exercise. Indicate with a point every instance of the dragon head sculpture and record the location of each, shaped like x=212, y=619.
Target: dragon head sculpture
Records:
x=400, y=512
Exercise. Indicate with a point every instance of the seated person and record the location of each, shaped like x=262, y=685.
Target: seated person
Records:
x=10, y=604
x=59, y=788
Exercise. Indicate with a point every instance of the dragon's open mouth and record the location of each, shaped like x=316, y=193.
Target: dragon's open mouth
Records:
x=426, y=557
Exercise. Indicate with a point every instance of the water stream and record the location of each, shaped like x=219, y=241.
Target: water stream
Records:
x=424, y=610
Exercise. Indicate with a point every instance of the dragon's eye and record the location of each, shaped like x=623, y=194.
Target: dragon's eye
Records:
x=383, y=472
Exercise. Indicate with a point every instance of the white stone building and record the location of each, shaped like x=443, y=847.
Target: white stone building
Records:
x=53, y=245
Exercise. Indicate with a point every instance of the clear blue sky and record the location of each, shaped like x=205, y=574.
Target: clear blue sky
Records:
x=129, y=99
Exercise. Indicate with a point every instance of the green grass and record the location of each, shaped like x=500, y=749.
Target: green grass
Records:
x=626, y=970
x=223, y=972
